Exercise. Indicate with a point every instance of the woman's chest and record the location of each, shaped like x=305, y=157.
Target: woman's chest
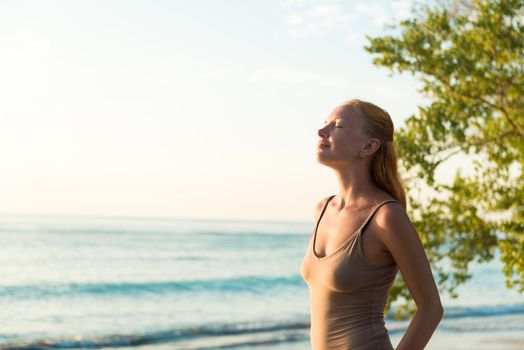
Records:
x=341, y=272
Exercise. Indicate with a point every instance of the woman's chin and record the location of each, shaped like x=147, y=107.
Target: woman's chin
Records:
x=320, y=158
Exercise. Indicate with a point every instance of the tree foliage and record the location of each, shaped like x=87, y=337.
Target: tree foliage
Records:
x=469, y=56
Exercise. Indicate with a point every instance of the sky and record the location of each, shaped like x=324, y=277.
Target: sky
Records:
x=193, y=109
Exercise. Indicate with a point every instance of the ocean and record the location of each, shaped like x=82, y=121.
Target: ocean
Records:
x=71, y=282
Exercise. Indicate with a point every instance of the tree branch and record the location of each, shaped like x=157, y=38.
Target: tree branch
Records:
x=478, y=143
x=492, y=105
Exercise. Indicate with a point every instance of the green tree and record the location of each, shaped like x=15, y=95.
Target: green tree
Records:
x=469, y=56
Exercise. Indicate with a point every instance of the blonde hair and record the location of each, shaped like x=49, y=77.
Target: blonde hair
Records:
x=383, y=166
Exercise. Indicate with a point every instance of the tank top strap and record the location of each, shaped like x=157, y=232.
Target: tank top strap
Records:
x=324, y=209
x=363, y=226
x=322, y=213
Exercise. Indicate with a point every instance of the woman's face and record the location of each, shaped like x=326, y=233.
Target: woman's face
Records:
x=343, y=135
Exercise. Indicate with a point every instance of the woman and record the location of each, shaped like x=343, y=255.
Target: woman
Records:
x=362, y=238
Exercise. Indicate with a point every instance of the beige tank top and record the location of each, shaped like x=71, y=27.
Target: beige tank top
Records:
x=347, y=295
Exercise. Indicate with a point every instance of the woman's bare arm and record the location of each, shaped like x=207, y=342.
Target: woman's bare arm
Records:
x=399, y=236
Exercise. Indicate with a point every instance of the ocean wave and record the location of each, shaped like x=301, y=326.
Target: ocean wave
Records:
x=255, y=284
x=483, y=311
x=242, y=334
x=221, y=336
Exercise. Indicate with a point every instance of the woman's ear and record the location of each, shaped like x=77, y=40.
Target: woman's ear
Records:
x=371, y=147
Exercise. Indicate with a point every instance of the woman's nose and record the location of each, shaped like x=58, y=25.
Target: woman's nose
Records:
x=321, y=131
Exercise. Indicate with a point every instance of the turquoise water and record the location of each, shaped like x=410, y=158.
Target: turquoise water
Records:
x=73, y=282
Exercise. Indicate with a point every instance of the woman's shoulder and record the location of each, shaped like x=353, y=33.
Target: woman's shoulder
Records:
x=385, y=197
x=320, y=206
x=391, y=213
x=388, y=209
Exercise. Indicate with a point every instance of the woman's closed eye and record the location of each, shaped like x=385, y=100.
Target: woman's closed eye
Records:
x=336, y=125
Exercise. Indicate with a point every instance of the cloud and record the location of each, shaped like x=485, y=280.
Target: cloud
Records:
x=292, y=76
x=401, y=9
x=375, y=11
x=306, y=19
x=292, y=3
x=23, y=47
x=354, y=39
x=390, y=90
x=382, y=13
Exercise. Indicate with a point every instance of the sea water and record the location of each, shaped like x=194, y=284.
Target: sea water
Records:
x=100, y=282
